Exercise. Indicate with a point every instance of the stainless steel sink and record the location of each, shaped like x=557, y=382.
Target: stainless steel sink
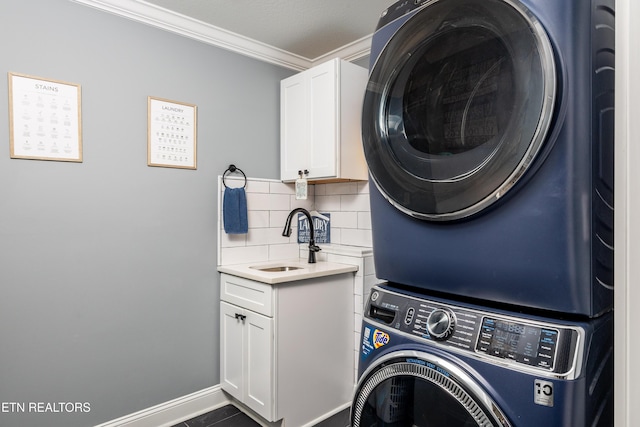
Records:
x=277, y=268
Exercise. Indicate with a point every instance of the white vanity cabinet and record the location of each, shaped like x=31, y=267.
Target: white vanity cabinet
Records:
x=287, y=348
x=320, y=121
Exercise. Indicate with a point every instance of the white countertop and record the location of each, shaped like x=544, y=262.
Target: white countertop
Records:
x=304, y=271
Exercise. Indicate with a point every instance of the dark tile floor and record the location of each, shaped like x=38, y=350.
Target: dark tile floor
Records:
x=230, y=416
x=227, y=416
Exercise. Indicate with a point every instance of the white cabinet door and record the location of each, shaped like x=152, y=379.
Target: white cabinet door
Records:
x=320, y=115
x=293, y=126
x=247, y=358
x=323, y=121
x=309, y=123
x=259, y=374
x=231, y=350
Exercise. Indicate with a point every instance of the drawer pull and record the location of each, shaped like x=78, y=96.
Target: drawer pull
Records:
x=240, y=316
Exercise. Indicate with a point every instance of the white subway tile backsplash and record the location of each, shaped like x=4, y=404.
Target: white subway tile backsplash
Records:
x=336, y=236
x=358, y=346
x=232, y=240
x=257, y=186
x=278, y=201
x=328, y=203
x=275, y=236
x=307, y=204
x=267, y=201
x=356, y=237
x=258, y=201
x=258, y=236
x=281, y=188
x=277, y=218
x=285, y=251
x=369, y=266
x=363, y=187
x=354, y=203
x=364, y=220
x=241, y=255
x=344, y=220
x=359, y=306
x=342, y=188
x=345, y=259
x=357, y=323
x=258, y=219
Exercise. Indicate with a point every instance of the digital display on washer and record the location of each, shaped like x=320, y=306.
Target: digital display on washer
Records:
x=523, y=343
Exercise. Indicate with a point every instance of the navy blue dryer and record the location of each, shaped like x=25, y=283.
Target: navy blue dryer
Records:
x=432, y=362
x=488, y=131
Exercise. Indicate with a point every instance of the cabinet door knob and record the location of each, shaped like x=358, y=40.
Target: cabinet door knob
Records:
x=240, y=316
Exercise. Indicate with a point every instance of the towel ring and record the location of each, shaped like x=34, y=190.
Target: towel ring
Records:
x=232, y=169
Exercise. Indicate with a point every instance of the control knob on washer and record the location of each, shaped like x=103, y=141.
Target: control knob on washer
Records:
x=441, y=323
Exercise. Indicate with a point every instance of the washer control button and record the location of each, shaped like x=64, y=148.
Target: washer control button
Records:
x=441, y=323
x=408, y=318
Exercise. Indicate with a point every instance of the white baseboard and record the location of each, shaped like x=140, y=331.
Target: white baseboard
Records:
x=174, y=411
x=328, y=415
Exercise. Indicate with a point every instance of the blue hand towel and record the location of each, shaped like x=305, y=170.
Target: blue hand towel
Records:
x=235, y=211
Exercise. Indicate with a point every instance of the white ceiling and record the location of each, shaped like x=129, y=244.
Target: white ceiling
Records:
x=293, y=33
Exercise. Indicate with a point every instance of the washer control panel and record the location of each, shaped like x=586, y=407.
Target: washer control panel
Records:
x=522, y=342
x=514, y=340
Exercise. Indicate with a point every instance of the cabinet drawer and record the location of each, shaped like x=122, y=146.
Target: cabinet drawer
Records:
x=246, y=293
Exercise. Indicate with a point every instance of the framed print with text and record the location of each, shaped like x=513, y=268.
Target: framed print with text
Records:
x=171, y=134
x=45, y=119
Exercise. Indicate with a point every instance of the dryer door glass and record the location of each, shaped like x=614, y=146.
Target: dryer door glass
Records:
x=458, y=104
x=413, y=392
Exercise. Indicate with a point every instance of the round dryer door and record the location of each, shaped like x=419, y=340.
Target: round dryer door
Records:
x=422, y=390
x=458, y=104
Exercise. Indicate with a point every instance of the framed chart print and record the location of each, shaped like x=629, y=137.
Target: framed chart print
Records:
x=171, y=134
x=45, y=119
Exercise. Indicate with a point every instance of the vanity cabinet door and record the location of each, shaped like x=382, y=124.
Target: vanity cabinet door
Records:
x=259, y=374
x=231, y=350
x=247, y=358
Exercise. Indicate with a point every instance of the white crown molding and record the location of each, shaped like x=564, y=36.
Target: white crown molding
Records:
x=350, y=52
x=147, y=13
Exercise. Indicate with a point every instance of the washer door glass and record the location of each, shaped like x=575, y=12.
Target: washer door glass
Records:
x=414, y=392
x=457, y=106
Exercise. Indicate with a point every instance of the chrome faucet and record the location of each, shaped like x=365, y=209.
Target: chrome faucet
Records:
x=313, y=248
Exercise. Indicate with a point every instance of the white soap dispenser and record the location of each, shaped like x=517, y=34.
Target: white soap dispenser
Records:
x=301, y=185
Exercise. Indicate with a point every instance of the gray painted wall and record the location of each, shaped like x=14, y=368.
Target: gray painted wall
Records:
x=109, y=291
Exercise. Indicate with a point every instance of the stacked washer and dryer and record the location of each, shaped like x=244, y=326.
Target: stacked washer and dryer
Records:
x=488, y=132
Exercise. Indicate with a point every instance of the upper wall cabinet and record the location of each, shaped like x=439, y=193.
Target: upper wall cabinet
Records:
x=320, y=119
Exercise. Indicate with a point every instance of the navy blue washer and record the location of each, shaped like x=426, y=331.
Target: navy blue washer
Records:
x=408, y=377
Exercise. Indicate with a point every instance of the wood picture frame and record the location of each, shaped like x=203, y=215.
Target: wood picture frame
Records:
x=45, y=119
x=171, y=134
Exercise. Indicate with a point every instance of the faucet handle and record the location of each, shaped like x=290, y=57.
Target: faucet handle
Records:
x=313, y=248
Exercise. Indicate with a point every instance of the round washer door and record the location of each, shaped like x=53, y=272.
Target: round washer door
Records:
x=458, y=104
x=422, y=390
